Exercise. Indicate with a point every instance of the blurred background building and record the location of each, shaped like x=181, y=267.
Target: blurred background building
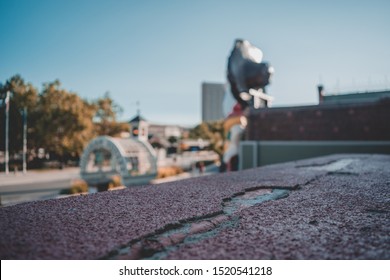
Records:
x=212, y=101
x=340, y=123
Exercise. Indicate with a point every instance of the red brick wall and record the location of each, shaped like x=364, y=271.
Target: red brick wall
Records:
x=369, y=121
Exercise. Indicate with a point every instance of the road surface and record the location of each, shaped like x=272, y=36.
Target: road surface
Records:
x=35, y=185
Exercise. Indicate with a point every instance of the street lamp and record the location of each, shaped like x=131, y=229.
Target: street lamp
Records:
x=5, y=96
x=7, y=102
x=24, y=114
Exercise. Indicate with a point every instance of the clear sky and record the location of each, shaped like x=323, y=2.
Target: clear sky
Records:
x=159, y=52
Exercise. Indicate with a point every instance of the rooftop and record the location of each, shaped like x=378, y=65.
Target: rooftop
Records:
x=137, y=119
x=356, y=97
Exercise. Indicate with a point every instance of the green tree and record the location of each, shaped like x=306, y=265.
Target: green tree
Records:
x=212, y=131
x=106, y=115
x=64, y=121
x=22, y=96
x=59, y=121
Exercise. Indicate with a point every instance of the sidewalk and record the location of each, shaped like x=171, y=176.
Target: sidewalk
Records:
x=34, y=185
x=33, y=176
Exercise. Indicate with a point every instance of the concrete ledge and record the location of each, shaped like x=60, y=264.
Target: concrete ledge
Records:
x=259, y=153
x=334, y=207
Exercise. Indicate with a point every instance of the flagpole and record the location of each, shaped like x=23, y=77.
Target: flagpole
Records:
x=7, y=101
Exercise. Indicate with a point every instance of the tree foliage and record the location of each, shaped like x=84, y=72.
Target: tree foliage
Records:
x=212, y=131
x=106, y=115
x=23, y=96
x=63, y=121
x=58, y=120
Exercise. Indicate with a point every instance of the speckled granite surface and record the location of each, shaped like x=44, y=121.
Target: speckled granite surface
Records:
x=335, y=207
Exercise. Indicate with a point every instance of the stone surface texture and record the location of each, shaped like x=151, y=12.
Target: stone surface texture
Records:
x=334, y=207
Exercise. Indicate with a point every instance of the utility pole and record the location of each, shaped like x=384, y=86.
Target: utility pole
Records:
x=7, y=102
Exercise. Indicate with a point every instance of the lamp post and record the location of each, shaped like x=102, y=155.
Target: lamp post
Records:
x=7, y=101
x=5, y=95
x=24, y=112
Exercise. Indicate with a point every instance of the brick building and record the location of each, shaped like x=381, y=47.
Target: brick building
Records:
x=363, y=121
x=339, y=124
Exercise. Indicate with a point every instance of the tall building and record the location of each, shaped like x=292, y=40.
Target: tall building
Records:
x=212, y=101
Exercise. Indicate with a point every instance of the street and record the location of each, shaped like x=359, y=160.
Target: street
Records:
x=35, y=185
x=40, y=185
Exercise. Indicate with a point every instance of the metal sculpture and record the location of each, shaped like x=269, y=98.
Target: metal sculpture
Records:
x=248, y=76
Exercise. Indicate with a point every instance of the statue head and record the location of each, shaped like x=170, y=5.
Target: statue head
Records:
x=246, y=71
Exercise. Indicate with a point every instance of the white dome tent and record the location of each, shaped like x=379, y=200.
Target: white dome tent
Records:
x=133, y=160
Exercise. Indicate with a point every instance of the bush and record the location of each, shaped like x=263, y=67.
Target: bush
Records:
x=77, y=186
x=164, y=172
x=114, y=182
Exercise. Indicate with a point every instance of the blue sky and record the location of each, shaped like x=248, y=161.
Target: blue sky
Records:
x=159, y=52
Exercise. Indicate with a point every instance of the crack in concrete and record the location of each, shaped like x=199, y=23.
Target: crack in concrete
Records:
x=342, y=173
x=167, y=239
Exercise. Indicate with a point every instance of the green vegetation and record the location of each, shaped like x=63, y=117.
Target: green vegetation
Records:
x=106, y=112
x=58, y=120
x=114, y=182
x=77, y=186
x=212, y=131
x=62, y=123
x=164, y=172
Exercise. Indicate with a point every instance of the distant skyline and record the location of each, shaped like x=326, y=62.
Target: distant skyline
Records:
x=159, y=53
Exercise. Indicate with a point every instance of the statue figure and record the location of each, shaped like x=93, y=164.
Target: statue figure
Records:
x=248, y=76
